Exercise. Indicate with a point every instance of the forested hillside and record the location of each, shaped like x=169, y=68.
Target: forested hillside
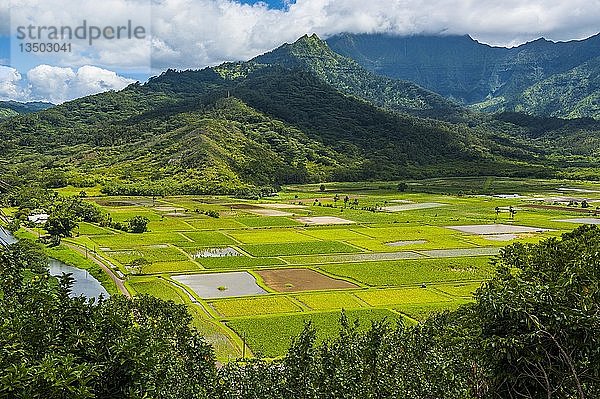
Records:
x=247, y=128
x=12, y=108
x=299, y=114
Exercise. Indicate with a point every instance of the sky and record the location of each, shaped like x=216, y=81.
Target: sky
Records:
x=192, y=34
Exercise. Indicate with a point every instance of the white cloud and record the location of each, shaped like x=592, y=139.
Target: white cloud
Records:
x=11, y=84
x=197, y=33
x=57, y=84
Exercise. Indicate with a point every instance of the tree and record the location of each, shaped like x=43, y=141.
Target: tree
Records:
x=402, y=187
x=54, y=346
x=322, y=188
x=138, y=224
x=60, y=224
x=538, y=318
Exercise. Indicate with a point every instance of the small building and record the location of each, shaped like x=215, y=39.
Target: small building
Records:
x=39, y=218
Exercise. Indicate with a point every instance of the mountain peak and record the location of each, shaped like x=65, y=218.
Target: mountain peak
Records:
x=309, y=42
x=314, y=38
x=307, y=46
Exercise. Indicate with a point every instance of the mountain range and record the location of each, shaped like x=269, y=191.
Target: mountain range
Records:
x=542, y=78
x=300, y=113
x=12, y=108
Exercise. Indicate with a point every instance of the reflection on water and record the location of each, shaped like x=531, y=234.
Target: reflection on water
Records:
x=84, y=283
x=217, y=253
x=5, y=237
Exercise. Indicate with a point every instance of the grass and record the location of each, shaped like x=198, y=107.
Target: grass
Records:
x=401, y=296
x=465, y=290
x=270, y=236
x=215, y=224
x=129, y=241
x=238, y=262
x=169, y=224
x=305, y=248
x=88, y=229
x=271, y=336
x=329, y=301
x=151, y=254
x=74, y=191
x=341, y=234
x=171, y=267
x=204, y=238
x=157, y=287
x=215, y=334
x=254, y=306
x=422, y=311
x=268, y=221
x=413, y=271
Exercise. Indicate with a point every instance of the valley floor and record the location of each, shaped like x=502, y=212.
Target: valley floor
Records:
x=258, y=272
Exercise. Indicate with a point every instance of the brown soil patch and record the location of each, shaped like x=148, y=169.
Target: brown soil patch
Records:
x=293, y=280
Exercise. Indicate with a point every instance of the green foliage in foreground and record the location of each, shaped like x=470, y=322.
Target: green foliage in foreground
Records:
x=53, y=346
x=273, y=335
x=532, y=332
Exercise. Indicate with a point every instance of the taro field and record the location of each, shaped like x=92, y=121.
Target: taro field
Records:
x=256, y=271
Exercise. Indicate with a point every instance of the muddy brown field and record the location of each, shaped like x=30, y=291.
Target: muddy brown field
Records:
x=293, y=280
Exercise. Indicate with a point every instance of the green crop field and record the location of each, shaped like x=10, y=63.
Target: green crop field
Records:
x=330, y=301
x=304, y=248
x=203, y=238
x=390, y=297
x=271, y=336
x=268, y=221
x=270, y=236
x=255, y=306
x=404, y=262
x=410, y=272
x=157, y=287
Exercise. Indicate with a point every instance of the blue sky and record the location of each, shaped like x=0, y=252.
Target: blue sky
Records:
x=274, y=4
x=198, y=33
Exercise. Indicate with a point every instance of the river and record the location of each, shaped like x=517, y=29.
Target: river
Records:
x=84, y=284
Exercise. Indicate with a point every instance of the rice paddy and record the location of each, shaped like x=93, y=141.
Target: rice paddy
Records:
x=262, y=268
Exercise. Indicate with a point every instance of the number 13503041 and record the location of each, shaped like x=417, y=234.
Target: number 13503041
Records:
x=45, y=47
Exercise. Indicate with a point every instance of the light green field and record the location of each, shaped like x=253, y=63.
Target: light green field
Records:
x=203, y=238
x=401, y=296
x=330, y=301
x=411, y=272
x=255, y=306
x=159, y=288
x=271, y=336
x=304, y=248
x=270, y=236
x=404, y=264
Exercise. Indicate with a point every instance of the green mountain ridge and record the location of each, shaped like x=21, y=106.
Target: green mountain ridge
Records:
x=528, y=78
x=343, y=73
x=12, y=108
x=296, y=115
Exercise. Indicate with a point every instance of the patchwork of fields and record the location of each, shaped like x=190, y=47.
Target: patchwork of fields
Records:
x=264, y=267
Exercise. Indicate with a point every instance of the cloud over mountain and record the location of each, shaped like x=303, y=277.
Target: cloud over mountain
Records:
x=197, y=33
